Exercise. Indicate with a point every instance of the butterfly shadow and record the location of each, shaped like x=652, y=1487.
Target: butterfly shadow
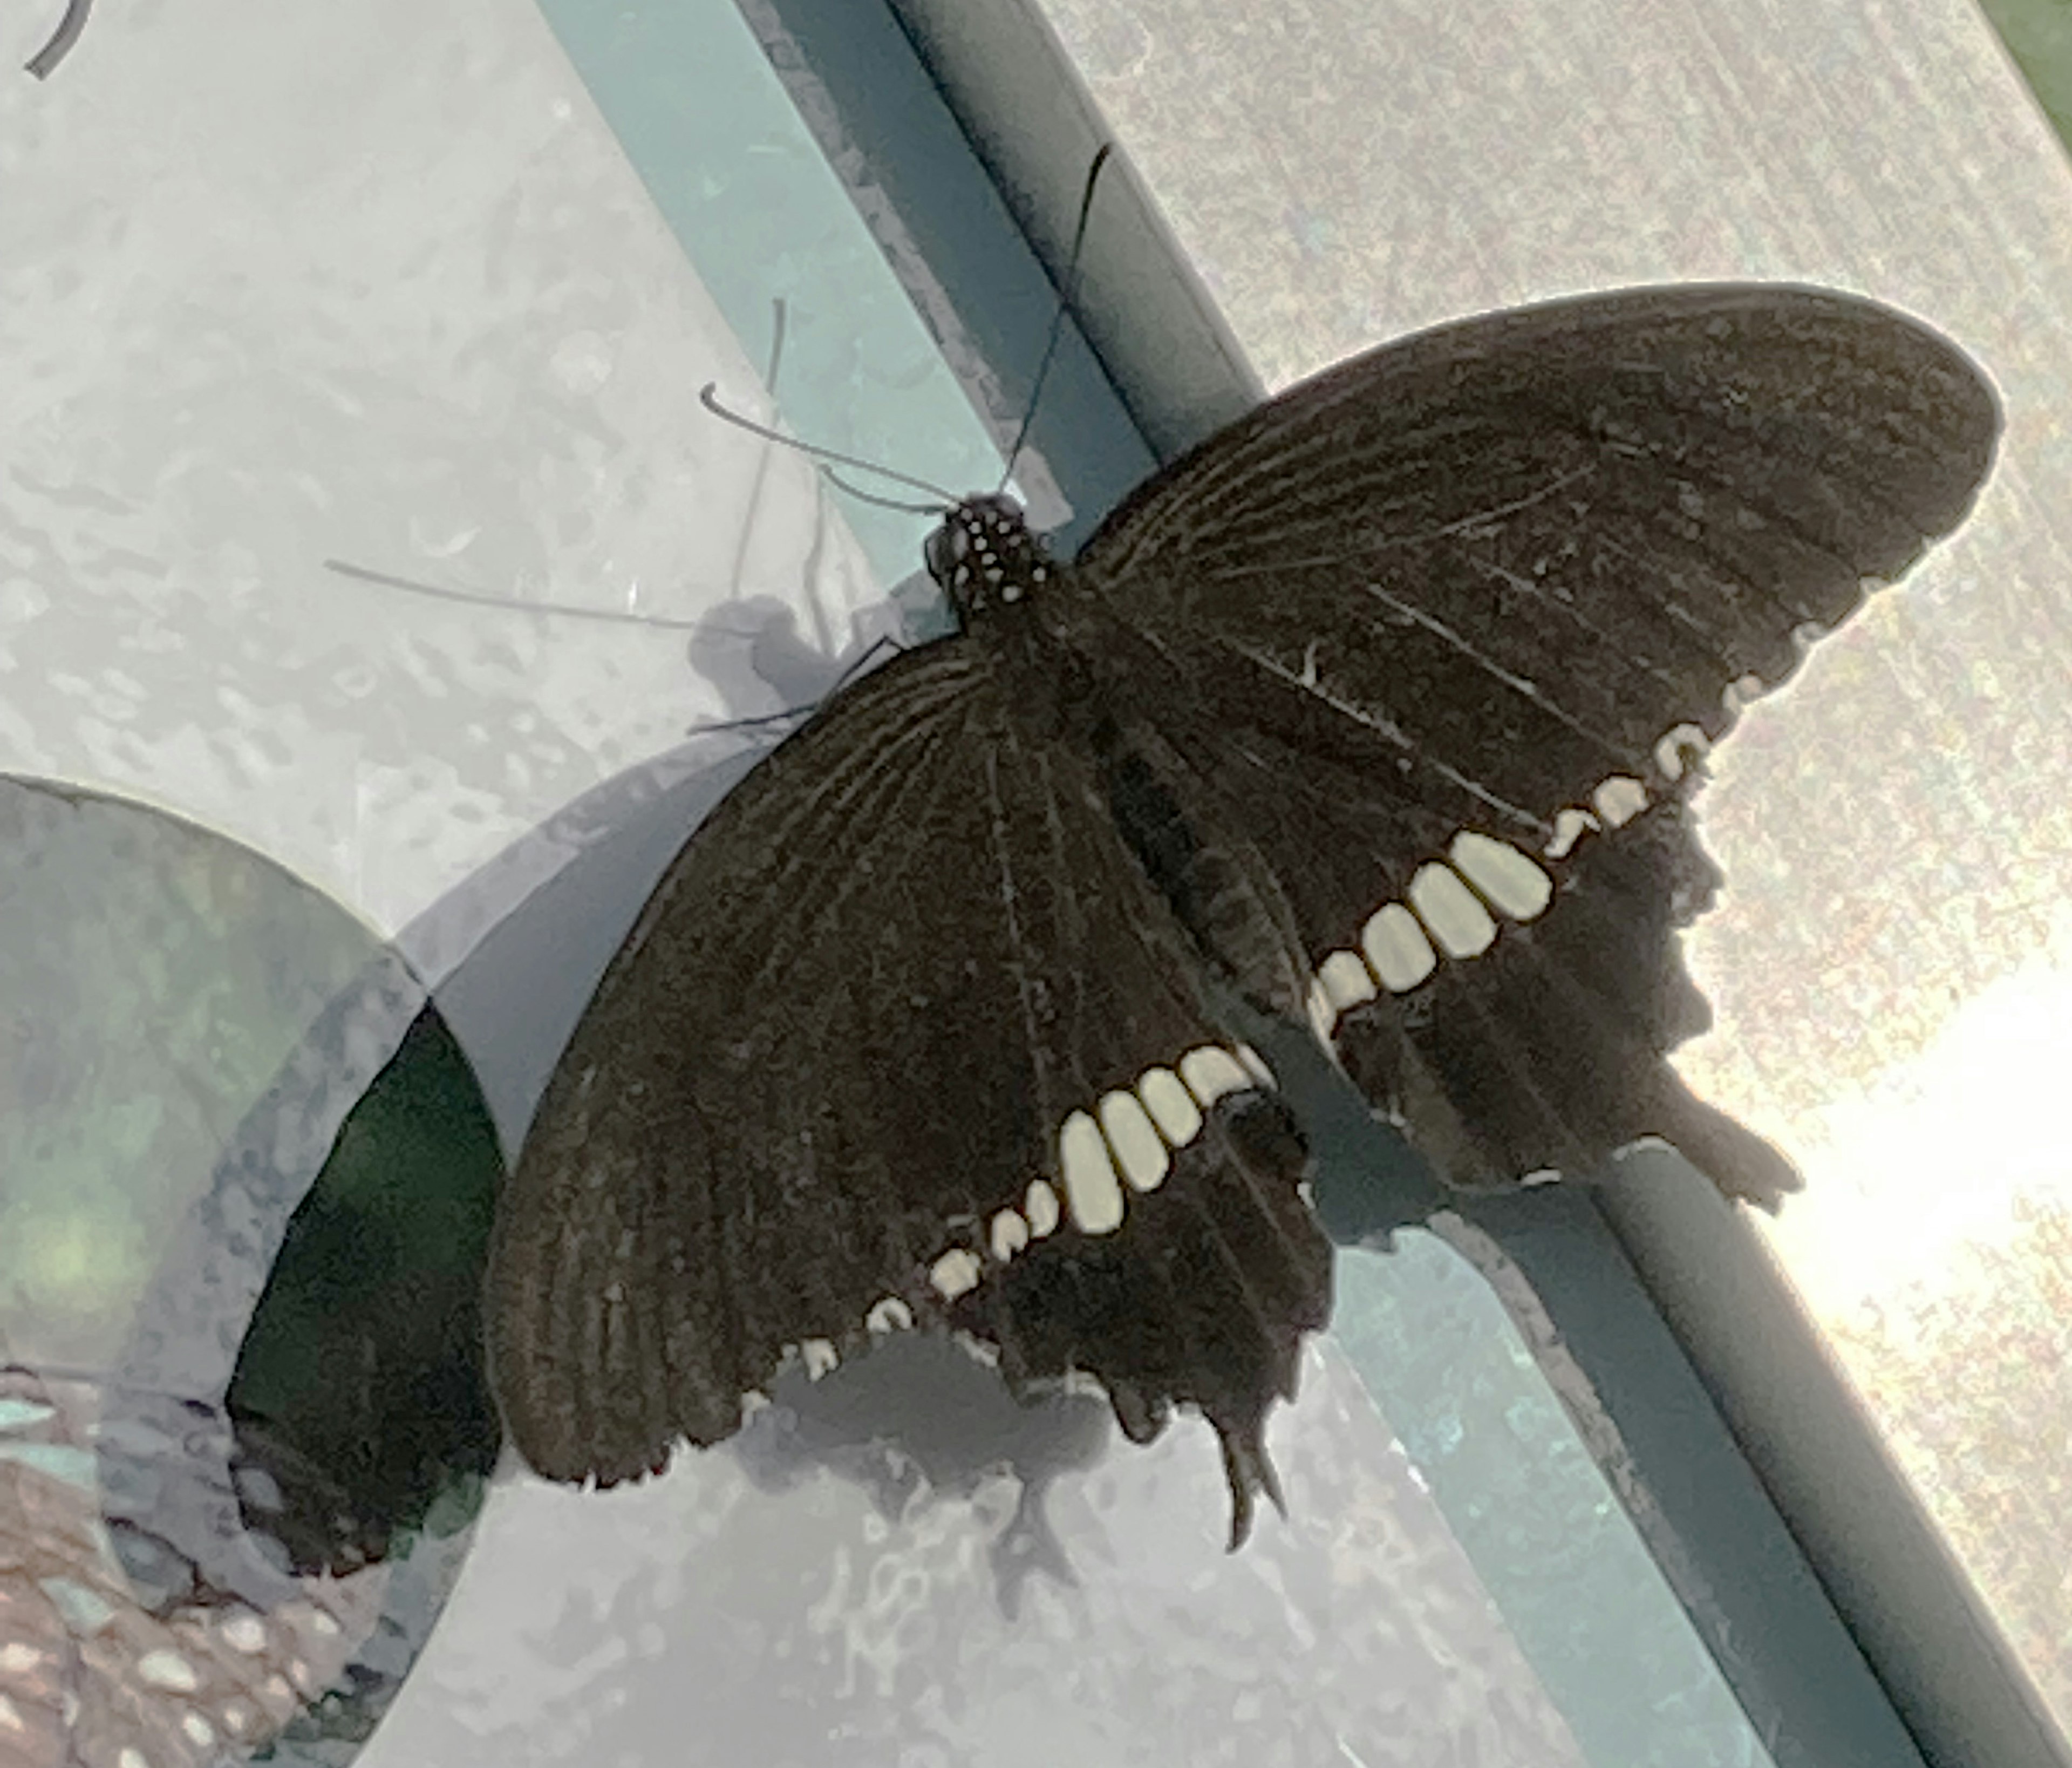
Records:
x=920, y=1419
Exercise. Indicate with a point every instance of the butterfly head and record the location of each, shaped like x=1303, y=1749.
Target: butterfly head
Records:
x=984, y=557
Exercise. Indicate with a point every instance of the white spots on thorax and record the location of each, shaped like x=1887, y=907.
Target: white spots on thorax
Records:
x=1093, y=1193
x=955, y=1272
x=889, y=1314
x=1451, y=912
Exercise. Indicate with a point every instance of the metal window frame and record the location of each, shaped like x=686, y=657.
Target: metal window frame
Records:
x=1808, y=1563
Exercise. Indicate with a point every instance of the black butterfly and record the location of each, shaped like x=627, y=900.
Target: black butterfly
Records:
x=1376, y=712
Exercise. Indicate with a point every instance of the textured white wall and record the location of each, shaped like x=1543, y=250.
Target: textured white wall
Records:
x=285, y=283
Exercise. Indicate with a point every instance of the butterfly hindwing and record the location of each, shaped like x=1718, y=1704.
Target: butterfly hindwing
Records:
x=906, y=1034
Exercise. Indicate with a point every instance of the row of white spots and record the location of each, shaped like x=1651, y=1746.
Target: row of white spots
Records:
x=1449, y=903
x=1622, y=798
x=1128, y=1139
x=1126, y=1143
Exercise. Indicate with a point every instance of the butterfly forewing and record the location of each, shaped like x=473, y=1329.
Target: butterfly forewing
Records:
x=907, y=1015
x=1536, y=543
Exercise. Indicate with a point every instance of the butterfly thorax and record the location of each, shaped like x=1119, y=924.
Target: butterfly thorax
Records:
x=985, y=558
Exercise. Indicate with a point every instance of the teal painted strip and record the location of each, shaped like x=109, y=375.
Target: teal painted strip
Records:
x=740, y=181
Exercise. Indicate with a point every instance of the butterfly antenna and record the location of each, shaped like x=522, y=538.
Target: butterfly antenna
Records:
x=505, y=605
x=44, y=63
x=862, y=497
x=813, y=450
x=1064, y=307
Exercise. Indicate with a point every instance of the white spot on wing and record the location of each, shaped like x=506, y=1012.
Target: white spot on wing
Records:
x=1451, y=911
x=889, y=1314
x=1041, y=1206
x=17, y=1659
x=1685, y=742
x=1134, y=1139
x=199, y=1728
x=1249, y=1060
x=131, y=1756
x=1211, y=1072
x=1619, y=800
x=956, y=1271
x=11, y=1720
x=1323, y=1014
x=1009, y=1234
x=1508, y=881
x=1092, y=1191
x=1743, y=692
x=1346, y=979
x=818, y=1354
x=1171, y=1106
x=1570, y=827
x=1397, y=948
